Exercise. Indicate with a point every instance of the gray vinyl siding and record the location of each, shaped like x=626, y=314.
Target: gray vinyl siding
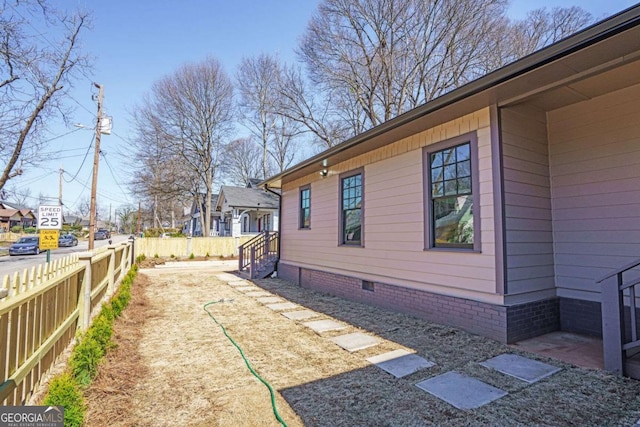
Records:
x=595, y=171
x=527, y=212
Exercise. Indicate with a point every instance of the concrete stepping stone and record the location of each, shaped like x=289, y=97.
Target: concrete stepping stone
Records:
x=520, y=367
x=400, y=363
x=282, y=306
x=321, y=326
x=269, y=300
x=355, y=341
x=238, y=282
x=227, y=277
x=246, y=288
x=258, y=294
x=461, y=391
x=300, y=314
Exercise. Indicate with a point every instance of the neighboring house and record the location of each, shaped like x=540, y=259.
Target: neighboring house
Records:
x=494, y=208
x=247, y=210
x=10, y=218
x=71, y=220
x=192, y=225
x=28, y=216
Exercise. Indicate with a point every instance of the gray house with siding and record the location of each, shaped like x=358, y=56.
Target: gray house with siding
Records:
x=495, y=208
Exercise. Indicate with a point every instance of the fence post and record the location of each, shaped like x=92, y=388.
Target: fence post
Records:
x=189, y=250
x=240, y=257
x=112, y=270
x=133, y=249
x=612, y=324
x=84, y=297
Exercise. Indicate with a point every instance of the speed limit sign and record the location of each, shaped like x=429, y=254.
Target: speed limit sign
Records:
x=49, y=217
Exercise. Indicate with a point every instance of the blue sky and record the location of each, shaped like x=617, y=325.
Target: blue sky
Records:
x=137, y=42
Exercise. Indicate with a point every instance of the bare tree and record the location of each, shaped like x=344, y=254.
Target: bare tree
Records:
x=542, y=27
x=19, y=196
x=257, y=79
x=242, y=161
x=371, y=60
x=83, y=208
x=283, y=141
x=189, y=113
x=128, y=218
x=35, y=77
x=159, y=178
x=314, y=111
x=262, y=108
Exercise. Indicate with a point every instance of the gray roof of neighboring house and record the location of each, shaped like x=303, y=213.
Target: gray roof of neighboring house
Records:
x=254, y=183
x=239, y=197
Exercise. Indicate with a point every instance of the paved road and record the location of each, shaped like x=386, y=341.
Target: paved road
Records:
x=10, y=264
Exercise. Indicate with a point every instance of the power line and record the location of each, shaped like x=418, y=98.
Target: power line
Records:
x=83, y=160
x=114, y=176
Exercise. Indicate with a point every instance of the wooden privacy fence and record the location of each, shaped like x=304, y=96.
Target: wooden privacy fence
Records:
x=185, y=246
x=42, y=308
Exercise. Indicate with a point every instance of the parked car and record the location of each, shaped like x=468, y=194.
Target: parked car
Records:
x=67, y=240
x=105, y=231
x=100, y=235
x=26, y=245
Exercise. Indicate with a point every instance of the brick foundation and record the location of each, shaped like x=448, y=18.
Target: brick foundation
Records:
x=581, y=317
x=504, y=324
x=532, y=319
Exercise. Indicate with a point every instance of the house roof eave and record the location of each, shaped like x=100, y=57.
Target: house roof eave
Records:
x=482, y=92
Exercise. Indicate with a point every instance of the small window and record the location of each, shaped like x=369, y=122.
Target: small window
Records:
x=452, y=203
x=351, y=209
x=305, y=207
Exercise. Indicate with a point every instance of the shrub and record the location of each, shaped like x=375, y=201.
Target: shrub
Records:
x=85, y=359
x=16, y=229
x=64, y=391
x=172, y=256
x=192, y=256
x=139, y=259
x=101, y=330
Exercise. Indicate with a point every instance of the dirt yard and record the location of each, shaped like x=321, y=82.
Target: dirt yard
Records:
x=173, y=366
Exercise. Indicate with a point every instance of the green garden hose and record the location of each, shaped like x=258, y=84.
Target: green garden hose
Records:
x=255, y=374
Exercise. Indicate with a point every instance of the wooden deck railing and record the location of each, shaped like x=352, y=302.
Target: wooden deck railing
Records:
x=620, y=316
x=257, y=252
x=42, y=309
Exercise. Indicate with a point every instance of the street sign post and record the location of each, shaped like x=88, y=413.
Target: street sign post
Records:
x=49, y=239
x=49, y=217
x=49, y=226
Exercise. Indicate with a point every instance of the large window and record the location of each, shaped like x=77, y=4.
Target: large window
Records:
x=351, y=209
x=451, y=196
x=305, y=207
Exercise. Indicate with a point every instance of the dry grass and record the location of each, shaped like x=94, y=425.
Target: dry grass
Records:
x=174, y=366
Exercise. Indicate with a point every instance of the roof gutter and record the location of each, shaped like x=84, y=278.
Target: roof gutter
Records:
x=602, y=30
x=266, y=187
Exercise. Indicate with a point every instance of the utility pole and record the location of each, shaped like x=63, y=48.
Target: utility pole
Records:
x=139, y=219
x=60, y=187
x=96, y=159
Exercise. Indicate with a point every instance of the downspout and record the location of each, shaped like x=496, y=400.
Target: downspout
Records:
x=266, y=187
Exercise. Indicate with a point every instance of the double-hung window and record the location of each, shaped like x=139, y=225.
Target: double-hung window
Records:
x=452, y=195
x=305, y=207
x=351, y=208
